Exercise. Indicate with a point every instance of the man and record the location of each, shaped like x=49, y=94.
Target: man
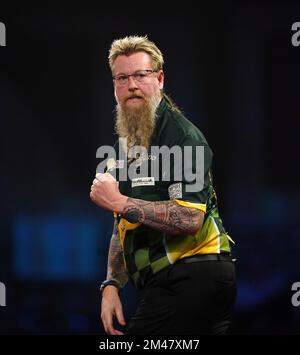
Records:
x=168, y=237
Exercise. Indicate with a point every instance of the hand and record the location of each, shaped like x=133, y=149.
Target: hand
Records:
x=111, y=306
x=105, y=193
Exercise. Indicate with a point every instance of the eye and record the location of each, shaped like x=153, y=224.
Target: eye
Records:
x=121, y=78
x=140, y=75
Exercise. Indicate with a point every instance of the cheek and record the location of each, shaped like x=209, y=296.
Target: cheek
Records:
x=119, y=95
x=149, y=90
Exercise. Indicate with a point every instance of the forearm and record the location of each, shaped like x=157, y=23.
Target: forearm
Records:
x=115, y=266
x=164, y=216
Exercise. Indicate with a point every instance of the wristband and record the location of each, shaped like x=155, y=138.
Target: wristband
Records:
x=109, y=282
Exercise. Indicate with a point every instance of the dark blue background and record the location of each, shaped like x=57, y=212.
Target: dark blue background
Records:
x=233, y=71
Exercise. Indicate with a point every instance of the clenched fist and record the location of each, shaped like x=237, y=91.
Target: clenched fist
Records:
x=105, y=193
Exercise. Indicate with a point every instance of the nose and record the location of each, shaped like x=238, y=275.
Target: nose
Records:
x=132, y=84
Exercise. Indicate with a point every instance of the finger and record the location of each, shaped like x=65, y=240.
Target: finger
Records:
x=107, y=323
x=111, y=330
x=117, y=332
x=120, y=316
x=95, y=181
x=98, y=176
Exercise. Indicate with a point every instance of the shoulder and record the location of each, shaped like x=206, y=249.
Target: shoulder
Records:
x=182, y=128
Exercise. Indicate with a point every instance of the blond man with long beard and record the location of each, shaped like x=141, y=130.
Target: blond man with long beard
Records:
x=168, y=239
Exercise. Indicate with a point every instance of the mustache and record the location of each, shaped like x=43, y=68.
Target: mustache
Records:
x=135, y=96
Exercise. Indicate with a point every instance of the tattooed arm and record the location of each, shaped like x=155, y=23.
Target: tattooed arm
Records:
x=115, y=265
x=111, y=305
x=164, y=216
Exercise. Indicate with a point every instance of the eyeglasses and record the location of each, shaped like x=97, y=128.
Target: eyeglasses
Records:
x=140, y=76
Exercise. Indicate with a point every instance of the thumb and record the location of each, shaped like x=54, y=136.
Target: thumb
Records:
x=120, y=316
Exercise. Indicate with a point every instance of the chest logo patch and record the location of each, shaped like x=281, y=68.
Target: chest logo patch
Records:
x=143, y=181
x=175, y=191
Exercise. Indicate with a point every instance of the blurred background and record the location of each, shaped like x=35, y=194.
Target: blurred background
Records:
x=234, y=72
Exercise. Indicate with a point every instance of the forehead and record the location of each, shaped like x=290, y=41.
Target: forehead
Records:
x=133, y=62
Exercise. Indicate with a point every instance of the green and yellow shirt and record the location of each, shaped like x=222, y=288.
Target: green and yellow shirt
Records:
x=147, y=251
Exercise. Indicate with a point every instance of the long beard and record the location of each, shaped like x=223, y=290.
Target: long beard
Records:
x=137, y=125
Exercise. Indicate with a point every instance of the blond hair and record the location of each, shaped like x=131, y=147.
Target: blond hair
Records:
x=133, y=44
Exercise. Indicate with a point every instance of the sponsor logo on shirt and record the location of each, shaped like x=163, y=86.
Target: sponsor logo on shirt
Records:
x=143, y=181
x=175, y=190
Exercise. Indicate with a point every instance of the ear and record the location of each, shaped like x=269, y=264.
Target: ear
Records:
x=161, y=78
x=115, y=93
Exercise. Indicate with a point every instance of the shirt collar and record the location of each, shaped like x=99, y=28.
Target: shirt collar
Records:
x=161, y=108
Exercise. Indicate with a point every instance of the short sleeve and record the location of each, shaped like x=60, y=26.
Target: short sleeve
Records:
x=191, y=173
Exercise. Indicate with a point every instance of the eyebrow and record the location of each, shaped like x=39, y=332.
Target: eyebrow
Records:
x=121, y=73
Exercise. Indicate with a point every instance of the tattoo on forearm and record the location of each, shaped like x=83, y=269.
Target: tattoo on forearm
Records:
x=165, y=216
x=116, y=267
